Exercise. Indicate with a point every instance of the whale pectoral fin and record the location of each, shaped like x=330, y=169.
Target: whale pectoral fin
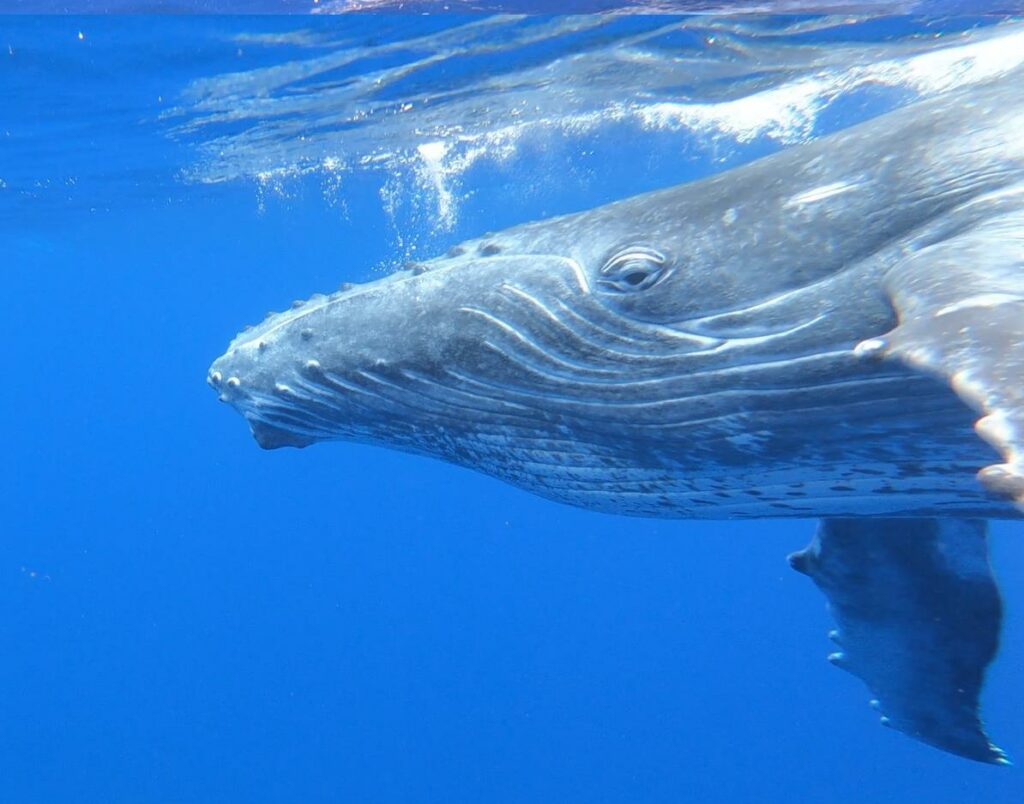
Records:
x=961, y=317
x=919, y=614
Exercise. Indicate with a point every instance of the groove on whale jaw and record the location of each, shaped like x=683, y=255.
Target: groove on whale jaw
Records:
x=266, y=435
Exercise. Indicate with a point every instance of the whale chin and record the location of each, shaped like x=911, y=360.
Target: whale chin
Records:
x=270, y=437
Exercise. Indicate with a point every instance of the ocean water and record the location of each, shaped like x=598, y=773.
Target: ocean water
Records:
x=187, y=618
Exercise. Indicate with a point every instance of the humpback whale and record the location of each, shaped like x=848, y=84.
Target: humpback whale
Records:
x=833, y=331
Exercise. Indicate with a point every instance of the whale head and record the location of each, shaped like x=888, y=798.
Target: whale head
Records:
x=524, y=330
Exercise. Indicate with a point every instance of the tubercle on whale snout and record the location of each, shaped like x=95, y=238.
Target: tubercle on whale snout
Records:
x=275, y=319
x=301, y=307
x=486, y=246
x=230, y=374
x=253, y=366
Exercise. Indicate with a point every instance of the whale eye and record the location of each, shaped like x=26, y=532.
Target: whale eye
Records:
x=632, y=269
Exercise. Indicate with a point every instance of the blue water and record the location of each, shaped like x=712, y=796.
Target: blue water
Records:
x=187, y=618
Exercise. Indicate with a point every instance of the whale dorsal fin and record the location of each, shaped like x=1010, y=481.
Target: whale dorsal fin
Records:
x=919, y=615
x=960, y=304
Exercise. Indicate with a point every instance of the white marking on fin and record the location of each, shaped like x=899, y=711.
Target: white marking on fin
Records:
x=969, y=389
x=872, y=347
x=980, y=300
x=996, y=428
